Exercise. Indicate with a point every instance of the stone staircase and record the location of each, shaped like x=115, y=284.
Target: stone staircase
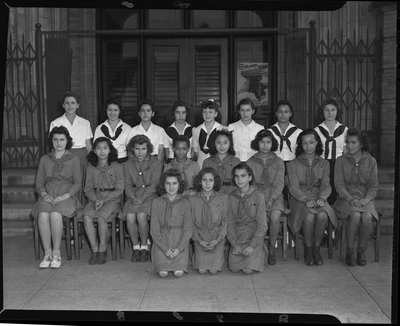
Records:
x=19, y=195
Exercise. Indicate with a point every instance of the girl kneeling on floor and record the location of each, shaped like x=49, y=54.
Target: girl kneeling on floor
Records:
x=247, y=223
x=103, y=187
x=58, y=181
x=171, y=226
x=309, y=189
x=210, y=217
x=356, y=181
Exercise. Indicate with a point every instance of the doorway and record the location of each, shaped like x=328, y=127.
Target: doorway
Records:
x=186, y=69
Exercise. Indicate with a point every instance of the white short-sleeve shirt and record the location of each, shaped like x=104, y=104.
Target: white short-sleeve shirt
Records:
x=80, y=130
x=242, y=137
x=340, y=140
x=287, y=154
x=156, y=134
x=120, y=142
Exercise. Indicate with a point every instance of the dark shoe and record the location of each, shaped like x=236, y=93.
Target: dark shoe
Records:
x=350, y=260
x=144, y=255
x=93, y=258
x=317, y=257
x=361, y=259
x=308, y=256
x=102, y=258
x=135, y=256
x=271, y=259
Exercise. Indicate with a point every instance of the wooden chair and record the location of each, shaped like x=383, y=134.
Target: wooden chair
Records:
x=330, y=242
x=112, y=225
x=375, y=235
x=70, y=224
x=283, y=237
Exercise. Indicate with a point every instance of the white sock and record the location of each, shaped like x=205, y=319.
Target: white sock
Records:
x=136, y=247
x=144, y=247
x=148, y=242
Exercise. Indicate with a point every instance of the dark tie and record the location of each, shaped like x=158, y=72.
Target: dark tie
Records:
x=289, y=132
x=332, y=139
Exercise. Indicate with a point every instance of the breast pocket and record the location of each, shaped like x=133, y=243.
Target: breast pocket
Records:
x=217, y=212
x=68, y=169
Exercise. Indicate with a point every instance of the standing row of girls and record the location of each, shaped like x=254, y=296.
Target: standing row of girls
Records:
x=308, y=177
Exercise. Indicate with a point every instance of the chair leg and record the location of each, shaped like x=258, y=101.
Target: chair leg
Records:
x=76, y=238
x=377, y=239
x=68, y=237
x=113, y=240
x=330, y=242
x=284, y=238
x=121, y=239
x=36, y=239
x=343, y=240
x=296, y=246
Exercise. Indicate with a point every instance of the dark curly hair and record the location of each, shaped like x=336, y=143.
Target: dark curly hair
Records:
x=197, y=179
x=61, y=130
x=94, y=159
x=139, y=139
x=299, y=149
x=148, y=102
x=244, y=101
x=171, y=173
x=211, y=104
x=222, y=132
x=333, y=102
x=181, y=138
x=70, y=94
x=362, y=137
x=260, y=135
x=116, y=101
x=246, y=167
x=171, y=114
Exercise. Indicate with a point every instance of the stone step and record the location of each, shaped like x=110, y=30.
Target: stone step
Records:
x=19, y=195
x=17, y=212
x=385, y=207
x=385, y=191
x=386, y=174
x=19, y=177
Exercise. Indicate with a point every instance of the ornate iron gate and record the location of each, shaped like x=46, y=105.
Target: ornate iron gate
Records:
x=21, y=116
x=349, y=71
x=34, y=78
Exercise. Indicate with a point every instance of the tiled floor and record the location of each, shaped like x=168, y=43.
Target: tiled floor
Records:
x=352, y=295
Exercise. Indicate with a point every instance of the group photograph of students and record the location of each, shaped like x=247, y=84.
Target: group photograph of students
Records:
x=207, y=197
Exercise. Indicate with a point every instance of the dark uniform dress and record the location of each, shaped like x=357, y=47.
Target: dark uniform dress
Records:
x=210, y=217
x=355, y=180
x=224, y=169
x=104, y=183
x=141, y=179
x=171, y=226
x=58, y=177
x=270, y=179
x=308, y=182
x=247, y=226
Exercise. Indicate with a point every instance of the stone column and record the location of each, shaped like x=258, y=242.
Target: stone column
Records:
x=386, y=15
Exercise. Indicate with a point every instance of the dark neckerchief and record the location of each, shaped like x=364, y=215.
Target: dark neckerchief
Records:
x=203, y=137
x=332, y=139
x=59, y=162
x=172, y=132
x=106, y=133
x=289, y=132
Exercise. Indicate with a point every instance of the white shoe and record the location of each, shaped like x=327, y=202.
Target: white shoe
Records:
x=56, y=262
x=45, y=262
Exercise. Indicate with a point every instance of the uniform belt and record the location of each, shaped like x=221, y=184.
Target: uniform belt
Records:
x=104, y=189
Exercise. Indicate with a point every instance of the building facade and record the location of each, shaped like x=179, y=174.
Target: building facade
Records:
x=193, y=55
